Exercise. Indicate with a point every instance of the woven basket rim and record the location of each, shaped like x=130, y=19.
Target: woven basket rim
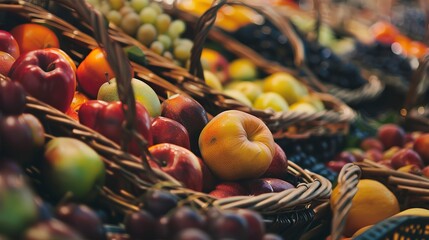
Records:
x=316, y=189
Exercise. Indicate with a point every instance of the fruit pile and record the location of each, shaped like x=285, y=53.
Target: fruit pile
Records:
x=391, y=147
x=146, y=21
x=273, y=45
x=240, y=79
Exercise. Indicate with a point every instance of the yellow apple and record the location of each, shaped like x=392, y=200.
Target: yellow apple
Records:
x=212, y=80
x=239, y=96
x=236, y=145
x=313, y=100
x=286, y=85
x=303, y=107
x=271, y=100
x=251, y=89
x=242, y=69
x=143, y=93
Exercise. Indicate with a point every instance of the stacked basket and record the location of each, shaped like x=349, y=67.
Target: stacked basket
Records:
x=289, y=212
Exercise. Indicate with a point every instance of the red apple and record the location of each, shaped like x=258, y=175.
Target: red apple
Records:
x=421, y=146
x=278, y=185
x=46, y=75
x=209, y=179
x=371, y=142
x=374, y=155
x=180, y=163
x=279, y=165
x=8, y=44
x=406, y=157
x=345, y=156
x=166, y=130
x=108, y=119
x=391, y=135
x=215, y=63
x=228, y=189
x=335, y=166
x=187, y=112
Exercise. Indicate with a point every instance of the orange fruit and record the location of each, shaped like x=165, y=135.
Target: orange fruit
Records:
x=32, y=36
x=372, y=203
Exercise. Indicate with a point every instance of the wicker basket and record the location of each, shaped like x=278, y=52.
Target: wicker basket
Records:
x=289, y=212
x=411, y=191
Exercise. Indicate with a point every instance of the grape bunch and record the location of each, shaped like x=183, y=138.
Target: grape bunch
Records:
x=411, y=21
x=327, y=66
x=146, y=21
x=381, y=56
x=162, y=217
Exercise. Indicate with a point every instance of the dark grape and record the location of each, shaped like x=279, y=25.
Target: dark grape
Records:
x=192, y=234
x=271, y=236
x=83, y=219
x=184, y=217
x=159, y=202
x=255, y=223
x=229, y=225
x=140, y=225
x=50, y=230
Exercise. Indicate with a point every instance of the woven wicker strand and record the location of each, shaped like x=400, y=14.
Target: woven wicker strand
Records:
x=314, y=189
x=347, y=180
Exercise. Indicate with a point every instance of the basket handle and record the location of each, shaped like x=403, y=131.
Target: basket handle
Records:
x=207, y=20
x=347, y=181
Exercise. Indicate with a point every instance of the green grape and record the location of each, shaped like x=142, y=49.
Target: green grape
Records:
x=162, y=22
x=157, y=47
x=104, y=7
x=125, y=10
x=146, y=34
x=156, y=6
x=168, y=55
x=165, y=40
x=116, y=4
x=138, y=5
x=148, y=15
x=176, y=28
x=182, y=52
x=130, y=23
x=114, y=17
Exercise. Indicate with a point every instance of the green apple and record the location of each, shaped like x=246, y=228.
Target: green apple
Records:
x=212, y=80
x=242, y=69
x=271, y=100
x=71, y=166
x=143, y=93
x=239, y=96
x=303, y=107
x=251, y=89
x=286, y=85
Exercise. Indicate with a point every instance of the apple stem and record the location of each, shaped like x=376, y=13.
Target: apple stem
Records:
x=51, y=67
x=106, y=74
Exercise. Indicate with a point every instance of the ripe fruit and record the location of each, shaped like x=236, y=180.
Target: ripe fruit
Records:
x=371, y=142
x=82, y=219
x=236, y=145
x=391, y=135
x=12, y=97
x=237, y=95
x=183, y=218
x=229, y=225
x=250, y=89
x=72, y=166
x=271, y=100
x=93, y=71
x=6, y=62
x=365, y=209
x=159, y=202
x=41, y=71
x=242, y=69
x=279, y=164
x=406, y=157
x=212, y=80
x=8, y=44
x=180, y=163
x=285, y=85
x=51, y=230
x=165, y=130
x=143, y=94
x=215, y=63
x=255, y=223
x=228, y=189
x=421, y=146
x=31, y=36
x=140, y=225
x=187, y=112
